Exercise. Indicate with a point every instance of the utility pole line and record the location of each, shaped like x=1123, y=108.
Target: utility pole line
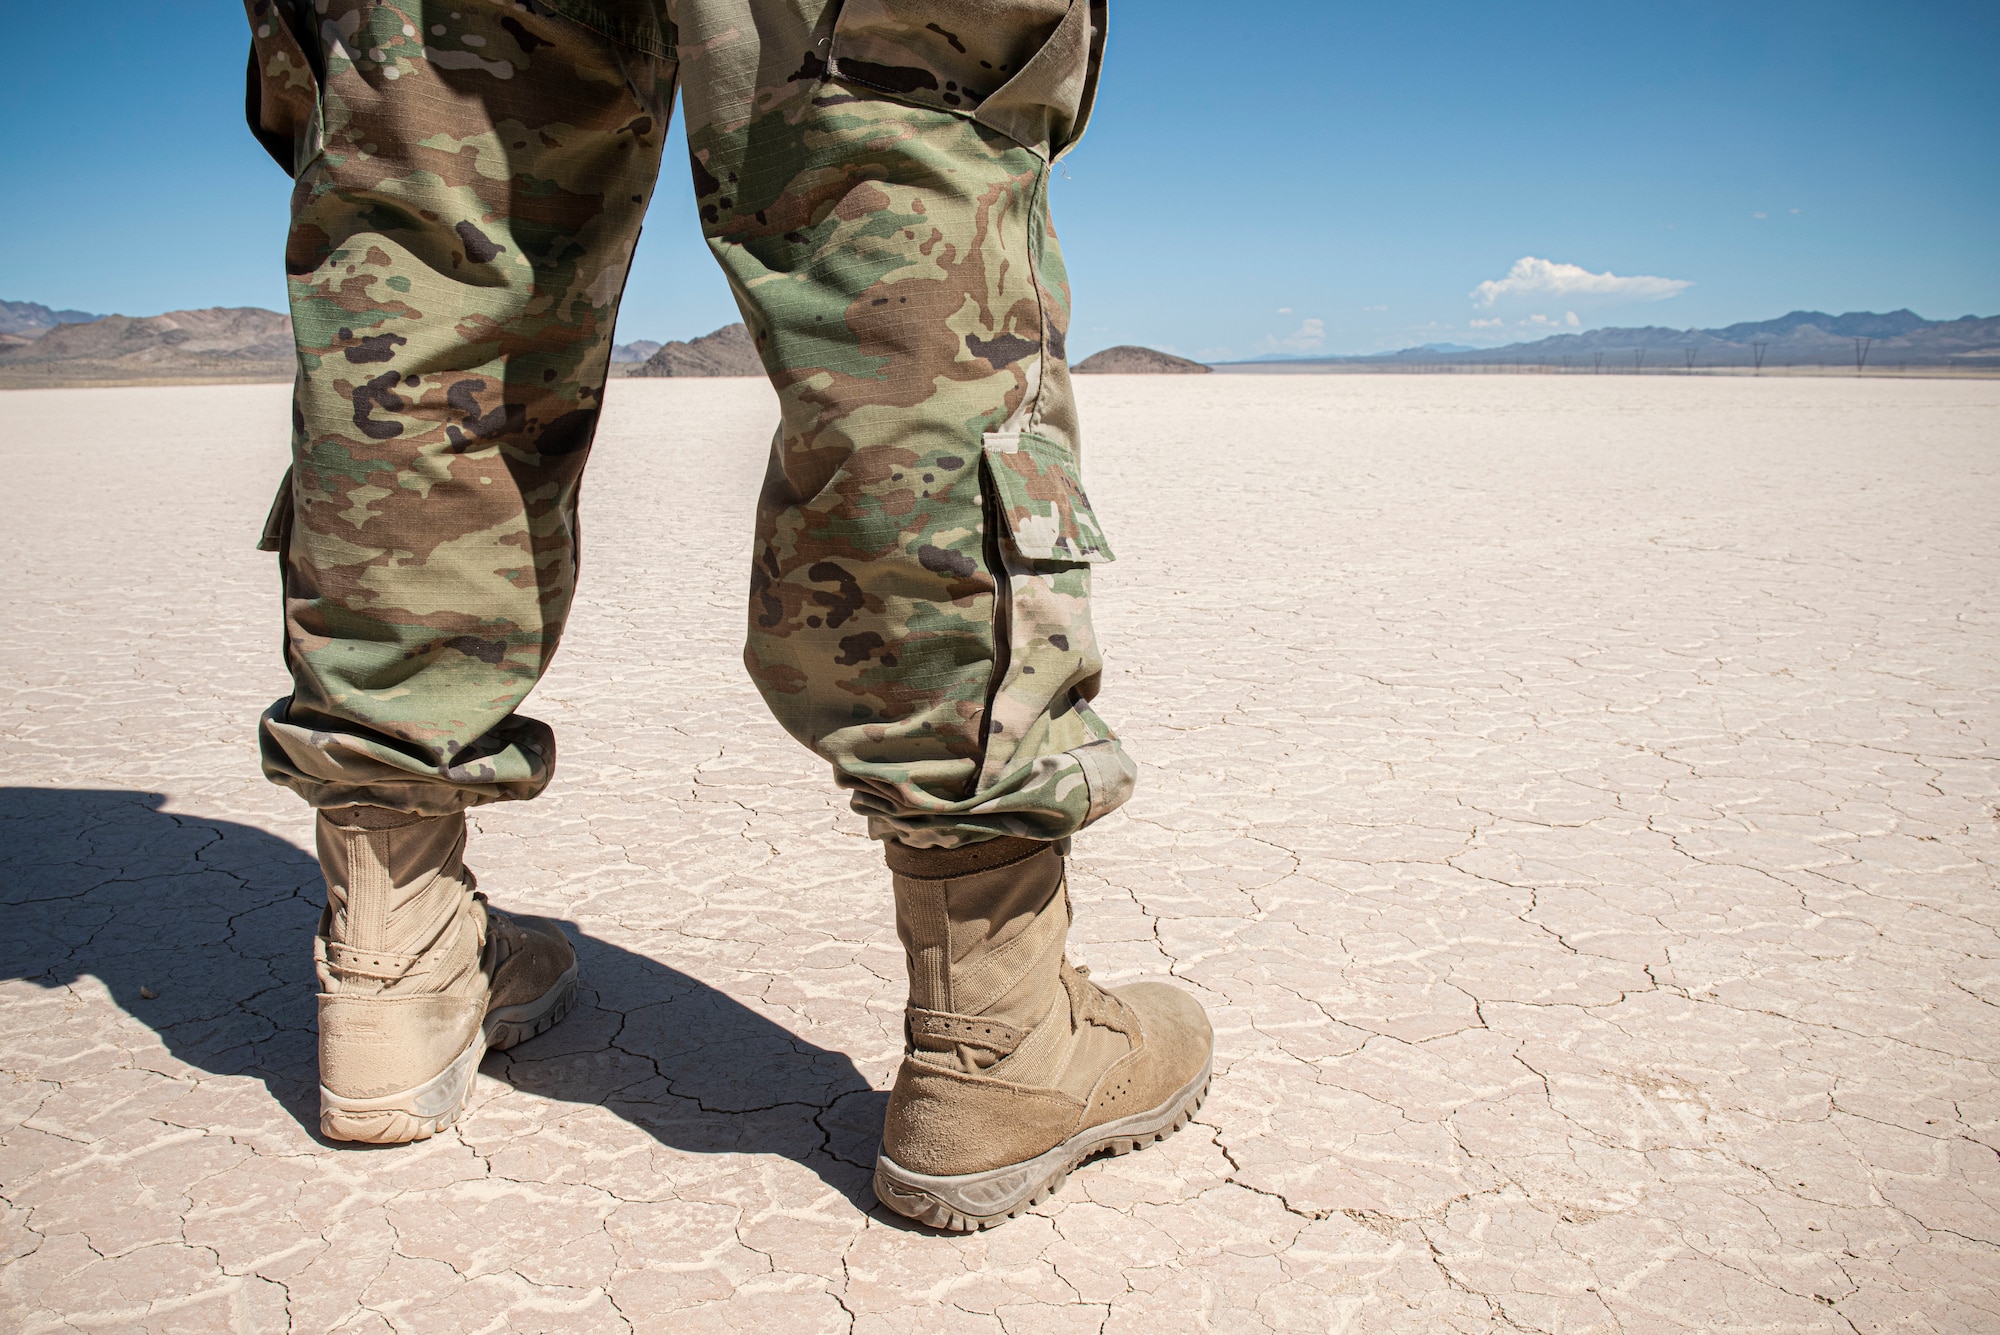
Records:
x=1861, y=354
x=1757, y=350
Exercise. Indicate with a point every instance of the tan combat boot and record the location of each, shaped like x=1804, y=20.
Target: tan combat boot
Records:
x=1017, y=1066
x=418, y=975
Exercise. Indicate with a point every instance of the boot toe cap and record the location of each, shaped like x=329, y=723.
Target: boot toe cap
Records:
x=1178, y=1036
x=540, y=957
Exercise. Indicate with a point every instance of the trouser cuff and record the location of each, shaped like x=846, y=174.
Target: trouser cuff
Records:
x=373, y=818
x=944, y=864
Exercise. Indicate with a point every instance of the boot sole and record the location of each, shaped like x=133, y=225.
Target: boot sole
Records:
x=421, y=1112
x=965, y=1202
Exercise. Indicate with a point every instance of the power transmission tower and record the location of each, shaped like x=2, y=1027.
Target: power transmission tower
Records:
x=1861, y=354
x=1639, y=360
x=1690, y=361
x=1757, y=351
x=1597, y=369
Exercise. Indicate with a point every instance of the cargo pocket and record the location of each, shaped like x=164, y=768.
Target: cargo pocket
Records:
x=1043, y=533
x=1027, y=68
x=1040, y=501
x=278, y=523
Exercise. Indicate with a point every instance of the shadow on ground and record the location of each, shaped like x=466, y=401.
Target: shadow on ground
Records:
x=215, y=919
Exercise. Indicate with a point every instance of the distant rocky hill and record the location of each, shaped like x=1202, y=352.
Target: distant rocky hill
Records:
x=727, y=351
x=1128, y=359
x=1800, y=339
x=221, y=343
x=219, y=331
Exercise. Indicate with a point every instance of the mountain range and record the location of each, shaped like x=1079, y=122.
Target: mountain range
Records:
x=32, y=318
x=42, y=346
x=1802, y=338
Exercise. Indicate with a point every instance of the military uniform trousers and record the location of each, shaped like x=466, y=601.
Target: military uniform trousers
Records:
x=872, y=176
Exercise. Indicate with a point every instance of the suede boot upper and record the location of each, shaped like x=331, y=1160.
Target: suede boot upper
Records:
x=1011, y=1051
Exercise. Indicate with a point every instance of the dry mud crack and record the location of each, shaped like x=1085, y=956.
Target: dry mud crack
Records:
x=1574, y=799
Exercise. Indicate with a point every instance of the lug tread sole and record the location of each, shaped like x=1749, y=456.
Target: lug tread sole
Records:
x=895, y=1188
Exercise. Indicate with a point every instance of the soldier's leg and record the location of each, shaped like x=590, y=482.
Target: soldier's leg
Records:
x=874, y=178
x=469, y=182
x=875, y=184
x=468, y=192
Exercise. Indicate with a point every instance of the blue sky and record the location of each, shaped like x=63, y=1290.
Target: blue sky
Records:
x=1290, y=176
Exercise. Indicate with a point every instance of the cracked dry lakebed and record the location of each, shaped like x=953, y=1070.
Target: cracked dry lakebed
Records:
x=1574, y=799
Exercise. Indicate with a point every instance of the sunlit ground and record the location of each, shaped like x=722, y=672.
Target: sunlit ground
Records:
x=1574, y=799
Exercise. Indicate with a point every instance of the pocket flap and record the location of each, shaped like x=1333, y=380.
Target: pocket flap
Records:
x=1040, y=499
x=1027, y=68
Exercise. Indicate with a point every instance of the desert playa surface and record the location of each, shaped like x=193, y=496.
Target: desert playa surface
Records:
x=1573, y=797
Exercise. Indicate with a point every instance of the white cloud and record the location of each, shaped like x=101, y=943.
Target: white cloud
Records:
x=1569, y=318
x=1284, y=310
x=1494, y=323
x=1310, y=336
x=1760, y=215
x=1531, y=277
x=1374, y=308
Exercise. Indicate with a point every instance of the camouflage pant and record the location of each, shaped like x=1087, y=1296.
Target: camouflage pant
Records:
x=873, y=178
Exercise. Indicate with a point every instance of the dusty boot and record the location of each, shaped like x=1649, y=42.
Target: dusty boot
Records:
x=1018, y=1067
x=418, y=975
